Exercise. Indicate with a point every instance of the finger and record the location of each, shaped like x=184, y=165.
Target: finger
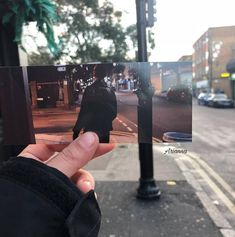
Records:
x=76, y=155
x=84, y=180
x=41, y=152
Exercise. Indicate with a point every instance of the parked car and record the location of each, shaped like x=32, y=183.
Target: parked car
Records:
x=179, y=94
x=220, y=100
x=202, y=98
x=162, y=94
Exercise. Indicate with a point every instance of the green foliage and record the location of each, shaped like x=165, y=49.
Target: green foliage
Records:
x=20, y=12
x=94, y=33
x=91, y=33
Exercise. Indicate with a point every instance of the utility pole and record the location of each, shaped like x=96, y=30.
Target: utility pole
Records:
x=147, y=185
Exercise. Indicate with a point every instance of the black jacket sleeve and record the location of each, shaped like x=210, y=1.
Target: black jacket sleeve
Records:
x=40, y=201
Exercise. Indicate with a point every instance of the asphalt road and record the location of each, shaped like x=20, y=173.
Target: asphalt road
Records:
x=214, y=139
x=167, y=116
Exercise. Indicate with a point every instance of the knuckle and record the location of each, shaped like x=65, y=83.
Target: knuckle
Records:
x=68, y=156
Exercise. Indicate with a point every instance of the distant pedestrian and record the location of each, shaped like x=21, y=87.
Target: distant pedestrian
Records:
x=61, y=93
x=98, y=107
x=77, y=90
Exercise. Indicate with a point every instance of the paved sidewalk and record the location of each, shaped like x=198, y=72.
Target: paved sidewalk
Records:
x=178, y=212
x=181, y=211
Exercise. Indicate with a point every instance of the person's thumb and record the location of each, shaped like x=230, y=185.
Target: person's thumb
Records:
x=76, y=155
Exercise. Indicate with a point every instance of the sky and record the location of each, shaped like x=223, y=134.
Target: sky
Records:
x=180, y=23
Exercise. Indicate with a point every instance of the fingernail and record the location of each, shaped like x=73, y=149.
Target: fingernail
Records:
x=87, y=139
x=88, y=184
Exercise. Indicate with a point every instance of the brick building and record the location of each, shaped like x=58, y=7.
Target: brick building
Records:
x=212, y=51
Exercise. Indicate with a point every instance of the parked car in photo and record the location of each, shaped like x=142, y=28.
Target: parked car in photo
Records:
x=220, y=100
x=179, y=94
x=202, y=98
x=162, y=94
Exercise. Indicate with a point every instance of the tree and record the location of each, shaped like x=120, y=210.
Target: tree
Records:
x=92, y=33
x=42, y=58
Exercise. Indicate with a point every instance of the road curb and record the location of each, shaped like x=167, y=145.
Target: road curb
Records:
x=219, y=220
x=217, y=217
x=227, y=233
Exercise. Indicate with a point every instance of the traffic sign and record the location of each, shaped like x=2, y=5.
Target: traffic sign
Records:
x=61, y=69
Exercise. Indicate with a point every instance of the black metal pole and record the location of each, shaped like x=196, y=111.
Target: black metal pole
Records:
x=141, y=30
x=147, y=185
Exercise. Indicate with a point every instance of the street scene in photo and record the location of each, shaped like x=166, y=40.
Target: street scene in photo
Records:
x=172, y=101
x=57, y=100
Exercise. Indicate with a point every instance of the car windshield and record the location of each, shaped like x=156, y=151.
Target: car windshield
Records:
x=220, y=96
x=202, y=94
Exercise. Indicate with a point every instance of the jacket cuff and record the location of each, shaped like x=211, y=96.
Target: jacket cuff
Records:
x=80, y=211
x=85, y=219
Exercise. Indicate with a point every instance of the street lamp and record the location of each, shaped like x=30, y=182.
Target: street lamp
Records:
x=147, y=185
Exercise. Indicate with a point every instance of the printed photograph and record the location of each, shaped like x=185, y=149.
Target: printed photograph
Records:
x=120, y=102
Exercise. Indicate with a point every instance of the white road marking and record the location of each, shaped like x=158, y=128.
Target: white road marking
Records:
x=204, y=171
x=131, y=122
x=211, y=184
x=129, y=129
x=210, y=141
x=215, y=175
x=215, y=139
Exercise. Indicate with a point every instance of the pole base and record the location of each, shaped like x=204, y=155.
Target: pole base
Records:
x=148, y=190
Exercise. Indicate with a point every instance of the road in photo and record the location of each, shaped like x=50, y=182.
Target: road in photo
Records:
x=55, y=124
x=170, y=116
x=126, y=120
x=167, y=116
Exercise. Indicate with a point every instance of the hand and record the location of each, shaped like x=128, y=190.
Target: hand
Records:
x=70, y=159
